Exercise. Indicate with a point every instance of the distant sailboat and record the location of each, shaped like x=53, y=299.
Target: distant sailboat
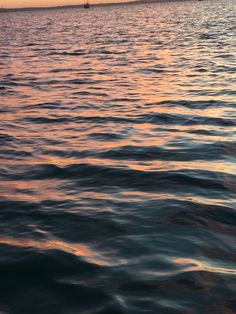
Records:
x=86, y=4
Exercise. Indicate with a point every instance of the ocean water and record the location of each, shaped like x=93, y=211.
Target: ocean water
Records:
x=118, y=173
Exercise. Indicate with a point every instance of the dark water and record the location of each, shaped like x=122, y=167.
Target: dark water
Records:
x=118, y=174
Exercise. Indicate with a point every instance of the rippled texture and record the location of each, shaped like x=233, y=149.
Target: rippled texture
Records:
x=117, y=159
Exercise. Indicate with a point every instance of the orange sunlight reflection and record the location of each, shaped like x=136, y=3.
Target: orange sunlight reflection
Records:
x=76, y=249
x=196, y=265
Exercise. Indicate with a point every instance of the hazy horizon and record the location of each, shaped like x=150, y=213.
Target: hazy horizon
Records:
x=7, y=4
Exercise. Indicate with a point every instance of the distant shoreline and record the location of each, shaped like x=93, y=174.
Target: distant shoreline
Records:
x=2, y=10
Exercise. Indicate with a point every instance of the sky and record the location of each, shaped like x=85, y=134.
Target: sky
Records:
x=43, y=3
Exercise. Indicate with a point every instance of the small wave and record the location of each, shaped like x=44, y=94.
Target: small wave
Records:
x=68, y=53
x=46, y=105
x=197, y=265
x=180, y=119
x=84, y=81
x=91, y=175
x=75, y=249
x=196, y=104
x=152, y=70
x=106, y=136
x=213, y=151
x=216, y=218
x=45, y=120
x=6, y=138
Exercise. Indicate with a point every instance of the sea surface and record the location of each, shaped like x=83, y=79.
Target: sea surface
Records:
x=118, y=169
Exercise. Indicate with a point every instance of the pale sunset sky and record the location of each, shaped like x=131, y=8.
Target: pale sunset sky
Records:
x=44, y=3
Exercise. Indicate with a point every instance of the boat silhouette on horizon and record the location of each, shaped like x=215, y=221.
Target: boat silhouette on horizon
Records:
x=86, y=5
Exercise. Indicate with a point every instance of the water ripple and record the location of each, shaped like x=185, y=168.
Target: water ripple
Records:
x=117, y=162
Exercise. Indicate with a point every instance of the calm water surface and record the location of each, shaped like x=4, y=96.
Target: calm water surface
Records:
x=118, y=173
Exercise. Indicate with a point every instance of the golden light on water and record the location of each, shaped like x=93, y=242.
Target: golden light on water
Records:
x=76, y=249
x=192, y=264
x=117, y=150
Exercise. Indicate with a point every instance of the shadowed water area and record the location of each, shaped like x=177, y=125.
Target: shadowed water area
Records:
x=118, y=176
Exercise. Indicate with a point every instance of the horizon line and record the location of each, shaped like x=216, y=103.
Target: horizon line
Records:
x=2, y=9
